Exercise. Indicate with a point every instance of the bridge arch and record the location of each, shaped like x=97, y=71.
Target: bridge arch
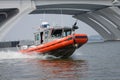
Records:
x=100, y=15
x=101, y=18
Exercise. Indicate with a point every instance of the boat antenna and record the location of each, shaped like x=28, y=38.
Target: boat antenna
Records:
x=62, y=22
x=44, y=14
x=61, y=16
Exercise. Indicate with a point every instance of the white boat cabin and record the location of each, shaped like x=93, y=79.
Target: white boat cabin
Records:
x=45, y=35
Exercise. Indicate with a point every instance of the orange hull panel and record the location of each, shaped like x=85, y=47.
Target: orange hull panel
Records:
x=79, y=39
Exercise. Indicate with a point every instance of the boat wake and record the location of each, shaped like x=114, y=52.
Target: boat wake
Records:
x=18, y=55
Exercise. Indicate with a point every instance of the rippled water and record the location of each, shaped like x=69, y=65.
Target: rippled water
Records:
x=96, y=61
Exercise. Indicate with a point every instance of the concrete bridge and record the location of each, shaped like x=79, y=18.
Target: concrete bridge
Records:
x=101, y=15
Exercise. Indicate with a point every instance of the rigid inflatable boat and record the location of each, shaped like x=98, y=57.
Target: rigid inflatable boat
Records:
x=56, y=41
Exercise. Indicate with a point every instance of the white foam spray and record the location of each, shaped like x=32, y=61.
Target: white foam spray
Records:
x=18, y=55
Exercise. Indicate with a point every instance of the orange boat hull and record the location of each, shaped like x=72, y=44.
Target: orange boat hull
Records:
x=63, y=47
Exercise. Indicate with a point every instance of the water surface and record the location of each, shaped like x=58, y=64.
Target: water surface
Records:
x=94, y=61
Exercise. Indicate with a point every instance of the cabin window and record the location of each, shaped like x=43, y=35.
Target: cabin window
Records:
x=60, y=32
x=37, y=37
x=56, y=33
x=67, y=32
x=46, y=34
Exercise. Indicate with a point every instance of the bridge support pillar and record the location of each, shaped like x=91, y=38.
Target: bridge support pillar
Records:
x=24, y=7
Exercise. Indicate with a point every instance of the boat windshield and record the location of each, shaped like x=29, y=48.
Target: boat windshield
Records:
x=61, y=33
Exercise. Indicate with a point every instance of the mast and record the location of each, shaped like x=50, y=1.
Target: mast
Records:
x=62, y=22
